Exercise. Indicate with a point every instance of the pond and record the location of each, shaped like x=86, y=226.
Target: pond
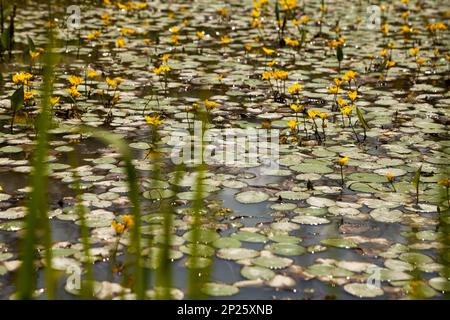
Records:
x=224, y=149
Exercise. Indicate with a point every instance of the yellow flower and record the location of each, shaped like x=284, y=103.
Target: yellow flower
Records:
x=333, y=89
x=342, y=161
x=174, y=29
x=75, y=81
x=223, y=12
x=125, y=31
x=248, y=47
x=175, y=39
x=73, y=91
x=389, y=177
x=288, y=4
x=295, y=88
x=280, y=75
x=349, y=75
x=272, y=63
x=266, y=75
x=267, y=51
x=91, y=73
x=200, y=34
x=111, y=82
x=312, y=114
x=353, y=95
x=347, y=110
x=28, y=95
x=128, y=221
x=225, y=40
x=34, y=54
x=93, y=35
x=292, y=124
x=119, y=228
x=383, y=52
x=420, y=61
x=323, y=115
x=120, y=43
x=385, y=28
x=297, y=107
x=154, y=120
x=164, y=69
x=291, y=42
x=54, y=100
x=22, y=78
x=341, y=102
x=390, y=64
x=210, y=105
x=165, y=57
x=405, y=29
x=404, y=14
x=337, y=82
x=414, y=51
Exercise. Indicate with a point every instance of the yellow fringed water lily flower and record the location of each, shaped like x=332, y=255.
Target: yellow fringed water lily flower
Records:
x=225, y=40
x=353, y=95
x=34, y=54
x=75, y=81
x=155, y=120
x=210, y=105
x=54, y=100
x=128, y=221
x=22, y=78
x=295, y=88
x=28, y=95
x=267, y=51
x=389, y=177
x=292, y=124
x=414, y=51
x=297, y=107
x=342, y=161
x=333, y=89
x=347, y=110
x=119, y=228
x=73, y=91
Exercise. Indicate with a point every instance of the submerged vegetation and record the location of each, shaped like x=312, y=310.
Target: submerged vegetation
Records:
x=120, y=124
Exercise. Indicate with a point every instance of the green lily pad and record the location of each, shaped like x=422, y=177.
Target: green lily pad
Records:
x=272, y=262
x=339, y=243
x=219, y=289
x=237, y=253
x=249, y=197
x=255, y=272
x=285, y=249
x=363, y=290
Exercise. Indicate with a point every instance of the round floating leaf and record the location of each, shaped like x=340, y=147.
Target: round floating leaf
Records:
x=237, y=253
x=249, y=236
x=310, y=220
x=415, y=258
x=248, y=197
x=197, y=262
x=340, y=243
x=227, y=242
x=272, y=262
x=386, y=215
x=203, y=236
x=440, y=284
x=284, y=238
x=363, y=290
x=285, y=249
x=219, y=289
x=255, y=272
